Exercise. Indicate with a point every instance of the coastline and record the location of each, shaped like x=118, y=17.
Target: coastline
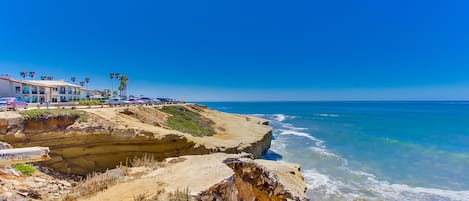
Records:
x=112, y=136
x=329, y=140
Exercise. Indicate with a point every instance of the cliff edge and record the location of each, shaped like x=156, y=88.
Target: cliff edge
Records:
x=212, y=177
x=91, y=140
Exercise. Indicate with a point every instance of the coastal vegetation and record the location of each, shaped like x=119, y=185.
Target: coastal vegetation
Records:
x=178, y=195
x=185, y=120
x=25, y=169
x=90, y=102
x=38, y=114
x=96, y=182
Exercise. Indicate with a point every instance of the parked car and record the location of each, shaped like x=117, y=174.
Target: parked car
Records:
x=146, y=100
x=14, y=103
x=3, y=107
x=117, y=101
x=136, y=101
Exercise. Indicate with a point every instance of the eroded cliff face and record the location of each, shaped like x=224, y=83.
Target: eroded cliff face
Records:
x=212, y=177
x=112, y=136
x=253, y=181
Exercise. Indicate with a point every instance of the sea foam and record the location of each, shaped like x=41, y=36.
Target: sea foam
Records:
x=325, y=186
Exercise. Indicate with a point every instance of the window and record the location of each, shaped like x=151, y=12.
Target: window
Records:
x=34, y=90
x=25, y=90
x=18, y=90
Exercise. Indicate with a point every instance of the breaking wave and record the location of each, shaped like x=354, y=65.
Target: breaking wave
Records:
x=340, y=182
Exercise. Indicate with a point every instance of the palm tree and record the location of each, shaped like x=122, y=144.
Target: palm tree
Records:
x=112, y=75
x=73, y=79
x=43, y=77
x=82, y=83
x=114, y=93
x=124, y=80
x=32, y=74
x=50, y=77
x=87, y=80
x=107, y=93
x=23, y=74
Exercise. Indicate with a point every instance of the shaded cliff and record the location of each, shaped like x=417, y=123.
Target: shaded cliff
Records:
x=99, y=139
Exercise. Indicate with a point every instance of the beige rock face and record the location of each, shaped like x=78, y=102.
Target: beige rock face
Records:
x=111, y=136
x=218, y=176
x=258, y=180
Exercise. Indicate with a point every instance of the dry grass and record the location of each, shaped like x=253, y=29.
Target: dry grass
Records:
x=146, y=161
x=183, y=195
x=96, y=182
x=148, y=196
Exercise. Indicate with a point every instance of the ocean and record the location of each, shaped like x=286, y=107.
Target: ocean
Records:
x=370, y=150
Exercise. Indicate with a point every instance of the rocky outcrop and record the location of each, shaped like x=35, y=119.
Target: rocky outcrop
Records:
x=253, y=181
x=37, y=186
x=111, y=136
x=212, y=177
x=52, y=124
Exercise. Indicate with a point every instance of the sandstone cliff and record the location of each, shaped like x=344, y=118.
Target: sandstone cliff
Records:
x=109, y=136
x=212, y=177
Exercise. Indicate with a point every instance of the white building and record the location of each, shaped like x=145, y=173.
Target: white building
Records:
x=40, y=91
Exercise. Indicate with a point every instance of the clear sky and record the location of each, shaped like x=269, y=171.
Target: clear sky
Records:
x=246, y=50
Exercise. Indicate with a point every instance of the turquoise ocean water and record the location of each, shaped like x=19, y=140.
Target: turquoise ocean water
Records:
x=370, y=150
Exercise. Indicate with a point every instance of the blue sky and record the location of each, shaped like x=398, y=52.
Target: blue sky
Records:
x=246, y=50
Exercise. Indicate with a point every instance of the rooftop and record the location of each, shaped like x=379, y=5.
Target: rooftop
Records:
x=43, y=83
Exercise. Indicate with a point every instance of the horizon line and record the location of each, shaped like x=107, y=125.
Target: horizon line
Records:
x=213, y=101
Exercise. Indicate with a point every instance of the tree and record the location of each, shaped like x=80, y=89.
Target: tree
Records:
x=124, y=80
x=73, y=79
x=114, y=93
x=107, y=93
x=23, y=74
x=32, y=74
x=87, y=80
x=50, y=78
x=112, y=76
x=43, y=77
x=82, y=83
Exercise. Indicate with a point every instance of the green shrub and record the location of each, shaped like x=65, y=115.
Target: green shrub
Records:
x=90, y=102
x=25, y=169
x=185, y=120
x=83, y=118
x=40, y=114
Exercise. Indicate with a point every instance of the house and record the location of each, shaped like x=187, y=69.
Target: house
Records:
x=40, y=91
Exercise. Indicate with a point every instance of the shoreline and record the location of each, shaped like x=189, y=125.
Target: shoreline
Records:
x=135, y=130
